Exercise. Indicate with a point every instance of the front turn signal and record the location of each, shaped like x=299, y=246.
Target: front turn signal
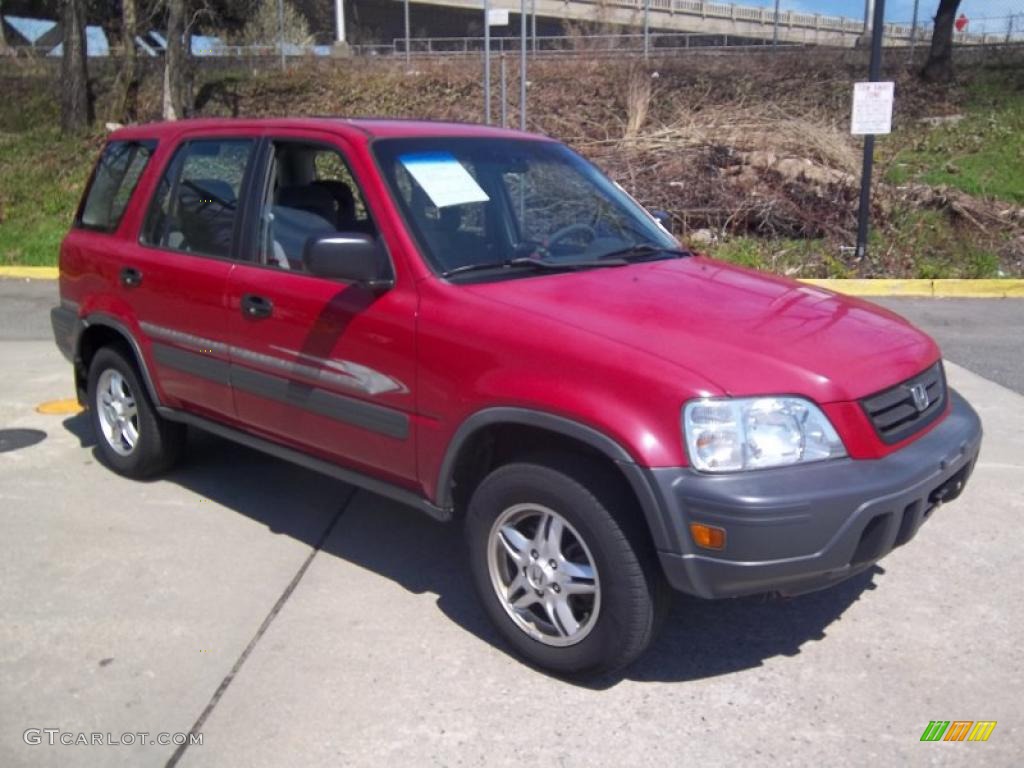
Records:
x=707, y=536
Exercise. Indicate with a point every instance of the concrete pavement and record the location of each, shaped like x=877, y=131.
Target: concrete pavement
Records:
x=301, y=623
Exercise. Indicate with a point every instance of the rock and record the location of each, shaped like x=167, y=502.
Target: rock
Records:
x=702, y=237
x=802, y=169
x=761, y=159
x=941, y=120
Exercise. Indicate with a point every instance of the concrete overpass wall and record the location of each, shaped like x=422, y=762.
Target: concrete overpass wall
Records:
x=696, y=16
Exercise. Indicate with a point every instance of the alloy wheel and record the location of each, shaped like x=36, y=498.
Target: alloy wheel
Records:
x=118, y=412
x=544, y=574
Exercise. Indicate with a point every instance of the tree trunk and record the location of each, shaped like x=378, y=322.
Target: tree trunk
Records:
x=187, y=68
x=174, y=66
x=3, y=35
x=939, y=67
x=127, y=86
x=75, y=109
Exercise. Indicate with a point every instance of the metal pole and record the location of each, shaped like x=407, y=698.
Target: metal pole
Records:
x=408, y=53
x=504, y=92
x=522, y=65
x=647, y=28
x=487, y=61
x=869, y=9
x=533, y=25
x=775, y=25
x=339, y=20
x=874, y=75
x=913, y=32
x=280, y=32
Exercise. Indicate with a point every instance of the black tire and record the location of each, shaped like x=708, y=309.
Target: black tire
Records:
x=634, y=596
x=158, y=442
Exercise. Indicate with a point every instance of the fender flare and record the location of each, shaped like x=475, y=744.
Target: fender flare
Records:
x=637, y=476
x=111, y=322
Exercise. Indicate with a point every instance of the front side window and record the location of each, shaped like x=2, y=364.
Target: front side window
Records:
x=472, y=202
x=113, y=182
x=195, y=206
x=310, y=193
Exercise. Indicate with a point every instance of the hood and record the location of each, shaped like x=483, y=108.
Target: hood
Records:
x=748, y=332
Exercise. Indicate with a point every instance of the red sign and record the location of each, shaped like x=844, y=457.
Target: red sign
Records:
x=962, y=22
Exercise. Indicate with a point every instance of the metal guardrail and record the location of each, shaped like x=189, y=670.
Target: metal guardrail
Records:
x=765, y=16
x=566, y=44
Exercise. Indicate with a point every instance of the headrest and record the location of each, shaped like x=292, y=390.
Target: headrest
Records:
x=308, y=197
x=339, y=190
x=207, y=191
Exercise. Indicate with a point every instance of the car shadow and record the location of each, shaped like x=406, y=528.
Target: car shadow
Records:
x=700, y=638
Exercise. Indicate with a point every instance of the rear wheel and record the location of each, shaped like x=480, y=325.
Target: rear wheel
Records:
x=132, y=438
x=561, y=564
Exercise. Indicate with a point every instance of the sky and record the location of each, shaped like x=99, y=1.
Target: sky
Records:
x=903, y=10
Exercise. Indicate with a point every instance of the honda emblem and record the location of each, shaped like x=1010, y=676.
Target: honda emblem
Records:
x=920, y=395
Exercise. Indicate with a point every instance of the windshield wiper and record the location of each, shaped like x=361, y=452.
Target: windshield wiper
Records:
x=536, y=264
x=643, y=250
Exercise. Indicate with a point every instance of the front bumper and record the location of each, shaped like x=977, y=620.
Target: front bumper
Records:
x=799, y=529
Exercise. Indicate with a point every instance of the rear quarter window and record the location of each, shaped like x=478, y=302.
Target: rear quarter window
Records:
x=113, y=182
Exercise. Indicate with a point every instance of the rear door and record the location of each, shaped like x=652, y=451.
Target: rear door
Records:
x=321, y=364
x=176, y=276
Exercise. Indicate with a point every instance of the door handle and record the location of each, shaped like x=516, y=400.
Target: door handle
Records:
x=256, y=306
x=130, y=277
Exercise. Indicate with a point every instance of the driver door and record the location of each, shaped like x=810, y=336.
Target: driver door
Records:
x=321, y=364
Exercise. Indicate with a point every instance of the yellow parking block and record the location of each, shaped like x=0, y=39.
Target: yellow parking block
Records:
x=67, y=407
x=32, y=273
x=945, y=288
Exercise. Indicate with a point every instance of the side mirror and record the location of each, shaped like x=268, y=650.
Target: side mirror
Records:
x=351, y=256
x=664, y=218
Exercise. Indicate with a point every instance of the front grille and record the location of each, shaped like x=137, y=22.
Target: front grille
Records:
x=896, y=414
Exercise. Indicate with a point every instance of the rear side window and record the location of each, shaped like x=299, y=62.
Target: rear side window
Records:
x=112, y=184
x=195, y=206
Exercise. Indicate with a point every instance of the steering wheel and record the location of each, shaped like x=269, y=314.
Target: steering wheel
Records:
x=571, y=229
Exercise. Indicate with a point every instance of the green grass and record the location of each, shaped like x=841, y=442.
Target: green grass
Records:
x=924, y=243
x=794, y=258
x=41, y=179
x=982, y=155
x=919, y=243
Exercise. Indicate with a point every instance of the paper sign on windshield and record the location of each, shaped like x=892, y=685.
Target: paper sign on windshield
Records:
x=444, y=179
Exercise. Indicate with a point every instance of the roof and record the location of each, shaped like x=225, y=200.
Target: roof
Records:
x=367, y=127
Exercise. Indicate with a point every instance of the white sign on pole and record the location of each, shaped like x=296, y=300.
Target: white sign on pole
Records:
x=497, y=17
x=872, y=108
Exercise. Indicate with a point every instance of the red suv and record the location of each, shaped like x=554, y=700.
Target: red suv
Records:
x=480, y=324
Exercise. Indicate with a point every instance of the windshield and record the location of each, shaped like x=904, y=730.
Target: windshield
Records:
x=477, y=203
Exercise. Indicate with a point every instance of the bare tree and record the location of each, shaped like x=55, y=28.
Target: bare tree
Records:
x=75, y=106
x=3, y=35
x=939, y=67
x=174, y=66
x=127, y=86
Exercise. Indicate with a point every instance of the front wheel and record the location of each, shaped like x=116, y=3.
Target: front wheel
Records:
x=562, y=567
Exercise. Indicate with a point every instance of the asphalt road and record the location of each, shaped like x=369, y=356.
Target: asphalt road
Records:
x=294, y=621
x=983, y=335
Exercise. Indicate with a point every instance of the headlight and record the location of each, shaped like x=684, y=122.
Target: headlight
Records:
x=757, y=432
